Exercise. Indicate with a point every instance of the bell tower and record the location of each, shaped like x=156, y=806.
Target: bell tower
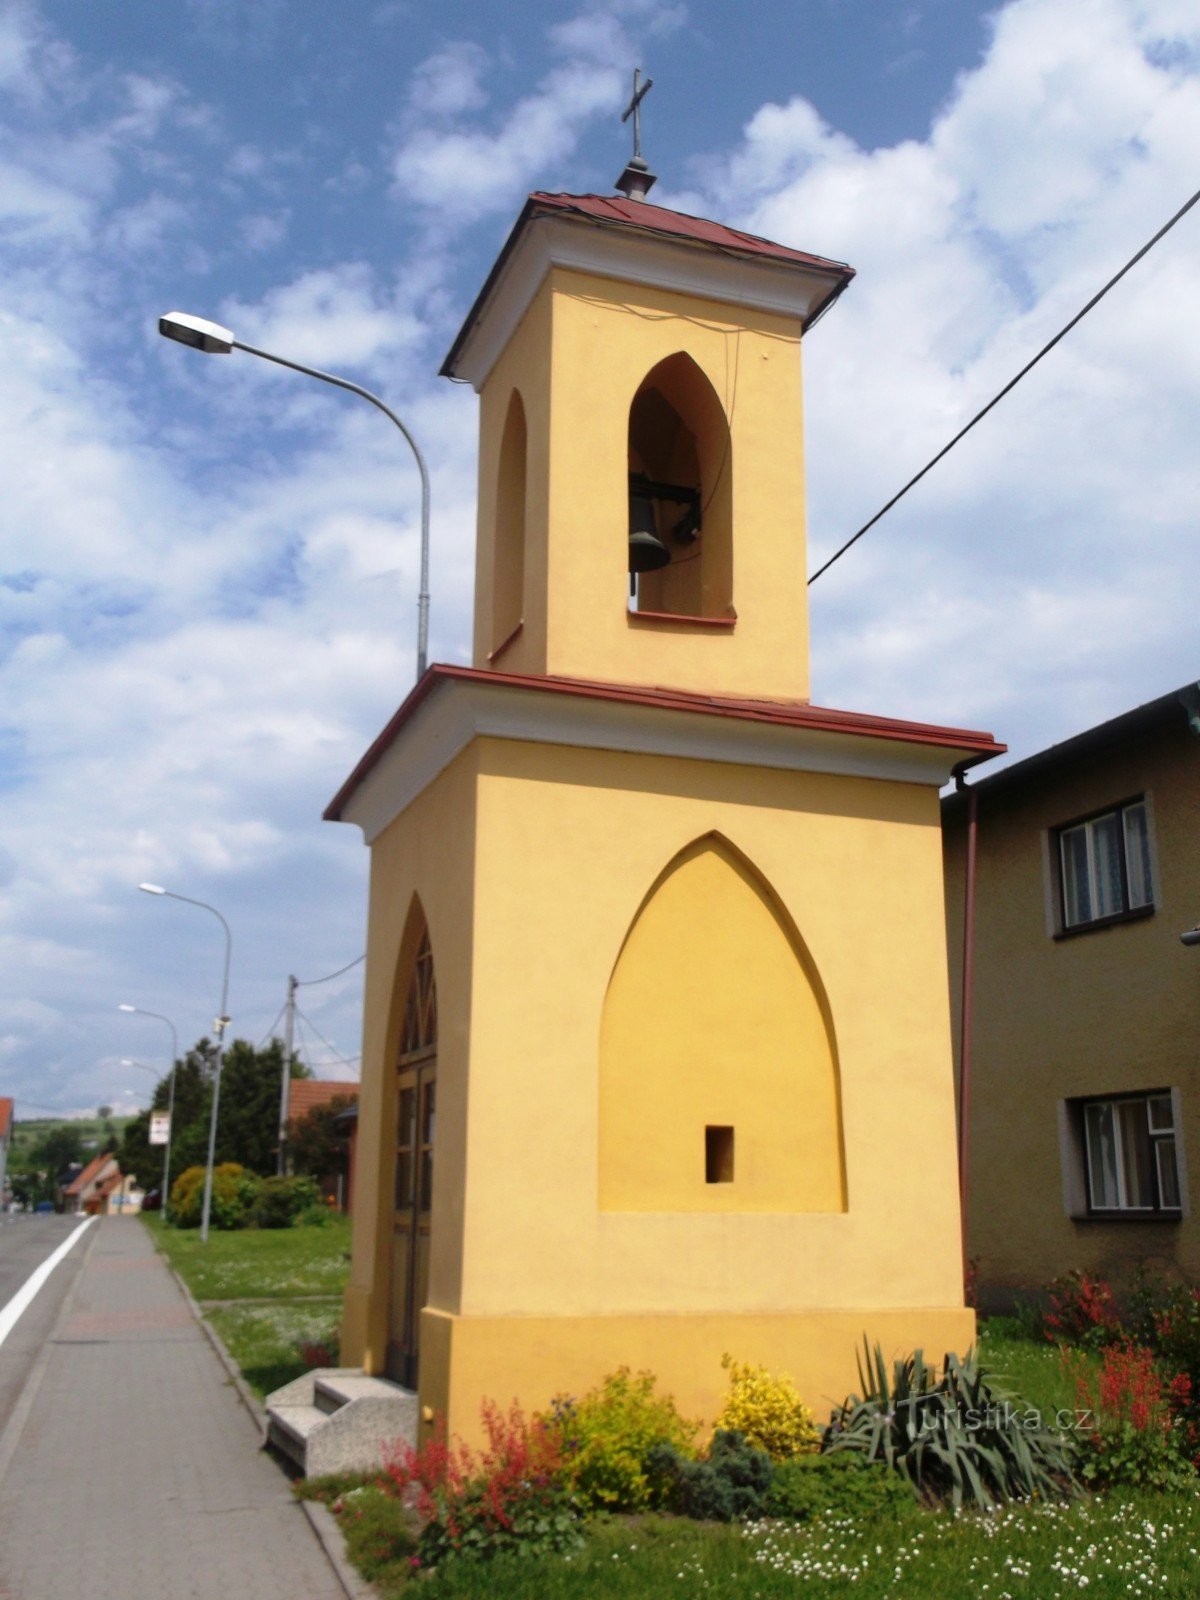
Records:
x=634, y=899
x=641, y=462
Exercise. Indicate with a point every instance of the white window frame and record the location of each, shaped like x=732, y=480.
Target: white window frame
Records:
x=1126, y=910
x=1158, y=1137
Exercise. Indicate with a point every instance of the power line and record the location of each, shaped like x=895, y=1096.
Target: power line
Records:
x=333, y=1048
x=308, y=983
x=1010, y=385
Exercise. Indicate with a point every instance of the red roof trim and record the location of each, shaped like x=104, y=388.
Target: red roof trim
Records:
x=779, y=713
x=94, y=1166
x=614, y=211
x=6, y=1116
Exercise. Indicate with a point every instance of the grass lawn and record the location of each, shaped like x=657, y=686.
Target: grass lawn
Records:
x=266, y=1340
x=290, y=1281
x=1106, y=1548
x=258, y=1263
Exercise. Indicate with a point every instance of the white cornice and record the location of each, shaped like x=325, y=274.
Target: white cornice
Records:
x=652, y=260
x=457, y=712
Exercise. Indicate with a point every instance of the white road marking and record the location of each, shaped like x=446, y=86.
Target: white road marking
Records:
x=24, y=1295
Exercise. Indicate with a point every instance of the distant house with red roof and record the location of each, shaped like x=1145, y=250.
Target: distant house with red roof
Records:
x=101, y=1189
x=306, y=1095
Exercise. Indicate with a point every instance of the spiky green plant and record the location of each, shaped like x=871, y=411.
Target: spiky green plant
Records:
x=954, y=1434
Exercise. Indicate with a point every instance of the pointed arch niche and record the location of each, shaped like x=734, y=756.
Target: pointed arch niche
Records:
x=681, y=479
x=415, y=1107
x=719, y=1083
x=508, y=545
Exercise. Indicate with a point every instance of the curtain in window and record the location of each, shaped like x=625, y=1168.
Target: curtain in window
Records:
x=1075, y=877
x=1137, y=1157
x=1106, y=849
x=1137, y=855
x=1100, y=1128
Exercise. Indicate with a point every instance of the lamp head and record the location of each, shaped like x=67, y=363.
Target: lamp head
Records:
x=197, y=332
x=123, y=1007
x=151, y=888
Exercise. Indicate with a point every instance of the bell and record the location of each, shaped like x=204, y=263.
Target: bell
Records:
x=647, y=552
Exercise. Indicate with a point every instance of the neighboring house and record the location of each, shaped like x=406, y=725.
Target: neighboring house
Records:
x=310, y=1094
x=120, y=1196
x=1083, y=1098
x=6, y=1126
x=87, y=1191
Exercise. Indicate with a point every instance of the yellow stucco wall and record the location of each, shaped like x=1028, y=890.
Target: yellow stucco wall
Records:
x=577, y=359
x=536, y=1287
x=1103, y=1012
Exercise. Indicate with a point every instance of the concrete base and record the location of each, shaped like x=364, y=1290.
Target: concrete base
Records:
x=467, y=1360
x=338, y=1420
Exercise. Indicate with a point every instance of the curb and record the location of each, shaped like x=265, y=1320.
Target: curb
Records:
x=244, y=1392
x=324, y=1525
x=320, y=1519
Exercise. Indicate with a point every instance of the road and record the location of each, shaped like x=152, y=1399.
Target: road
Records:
x=25, y=1242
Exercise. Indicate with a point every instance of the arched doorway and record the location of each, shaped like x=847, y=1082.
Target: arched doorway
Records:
x=416, y=1084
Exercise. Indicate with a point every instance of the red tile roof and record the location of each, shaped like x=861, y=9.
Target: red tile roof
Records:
x=6, y=1116
x=615, y=211
x=781, y=713
x=657, y=219
x=307, y=1094
x=94, y=1166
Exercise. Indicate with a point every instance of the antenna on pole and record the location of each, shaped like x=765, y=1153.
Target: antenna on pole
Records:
x=637, y=180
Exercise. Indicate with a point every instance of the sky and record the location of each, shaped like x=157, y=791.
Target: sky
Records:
x=208, y=565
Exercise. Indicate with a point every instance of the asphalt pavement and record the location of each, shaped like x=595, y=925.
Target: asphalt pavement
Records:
x=25, y=1242
x=128, y=1466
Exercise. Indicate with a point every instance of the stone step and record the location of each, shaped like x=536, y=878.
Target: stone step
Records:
x=334, y=1388
x=289, y=1428
x=337, y=1420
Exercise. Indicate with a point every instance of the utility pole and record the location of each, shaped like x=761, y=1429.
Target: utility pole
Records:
x=289, y=1025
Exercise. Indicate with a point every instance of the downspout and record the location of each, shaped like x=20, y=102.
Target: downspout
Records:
x=968, y=996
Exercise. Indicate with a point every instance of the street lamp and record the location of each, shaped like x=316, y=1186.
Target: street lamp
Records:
x=138, y=1011
x=219, y=1026
x=199, y=334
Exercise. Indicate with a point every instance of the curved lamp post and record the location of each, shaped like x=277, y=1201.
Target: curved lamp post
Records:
x=199, y=334
x=219, y=1026
x=138, y=1011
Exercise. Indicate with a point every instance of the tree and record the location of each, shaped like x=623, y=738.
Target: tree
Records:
x=247, y=1119
x=318, y=1148
x=104, y=1113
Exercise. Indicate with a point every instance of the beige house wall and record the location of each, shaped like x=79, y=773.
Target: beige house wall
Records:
x=1101, y=1012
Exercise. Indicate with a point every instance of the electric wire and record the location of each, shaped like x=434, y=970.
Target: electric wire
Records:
x=331, y=1047
x=270, y=1033
x=1010, y=385
x=307, y=983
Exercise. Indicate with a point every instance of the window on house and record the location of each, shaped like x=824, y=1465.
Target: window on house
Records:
x=1104, y=866
x=1131, y=1158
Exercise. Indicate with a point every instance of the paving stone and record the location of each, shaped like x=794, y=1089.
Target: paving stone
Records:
x=138, y=1471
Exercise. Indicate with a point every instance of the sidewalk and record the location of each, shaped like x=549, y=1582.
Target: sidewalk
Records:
x=137, y=1470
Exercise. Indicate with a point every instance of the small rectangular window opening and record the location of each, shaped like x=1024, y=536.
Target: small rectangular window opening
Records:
x=718, y=1155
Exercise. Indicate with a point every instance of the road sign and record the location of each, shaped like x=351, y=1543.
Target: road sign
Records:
x=160, y=1127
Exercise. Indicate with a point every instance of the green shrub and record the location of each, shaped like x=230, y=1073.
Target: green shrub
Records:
x=767, y=1408
x=1082, y=1311
x=730, y=1485
x=381, y=1538
x=234, y=1191
x=955, y=1437
x=608, y=1435
x=316, y=1215
x=282, y=1200
x=813, y=1485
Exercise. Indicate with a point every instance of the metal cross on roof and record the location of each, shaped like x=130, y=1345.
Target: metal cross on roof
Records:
x=634, y=110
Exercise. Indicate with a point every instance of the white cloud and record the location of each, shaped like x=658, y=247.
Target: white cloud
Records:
x=208, y=568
